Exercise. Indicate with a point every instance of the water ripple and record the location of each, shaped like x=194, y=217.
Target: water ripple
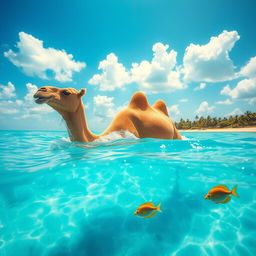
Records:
x=63, y=198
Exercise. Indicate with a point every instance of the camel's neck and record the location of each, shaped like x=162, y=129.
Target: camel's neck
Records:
x=77, y=126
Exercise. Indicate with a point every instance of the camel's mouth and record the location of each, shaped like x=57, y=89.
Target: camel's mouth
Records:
x=41, y=99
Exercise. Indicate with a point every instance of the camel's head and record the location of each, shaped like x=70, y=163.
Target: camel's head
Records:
x=67, y=99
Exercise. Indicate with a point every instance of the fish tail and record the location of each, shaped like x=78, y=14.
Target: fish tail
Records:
x=158, y=208
x=233, y=191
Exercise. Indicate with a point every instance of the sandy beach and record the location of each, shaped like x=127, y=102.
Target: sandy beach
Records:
x=245, y=129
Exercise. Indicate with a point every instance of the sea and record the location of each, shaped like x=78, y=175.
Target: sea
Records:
x=60, y=198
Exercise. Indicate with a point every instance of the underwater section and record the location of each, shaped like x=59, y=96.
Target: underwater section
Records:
x=59, y=198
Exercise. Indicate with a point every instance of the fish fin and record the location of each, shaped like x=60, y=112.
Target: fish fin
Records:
x=221, y=186
x=233, y=191
x=158, y=208
x=151, y=215
x=224, y=201
x=148, y=203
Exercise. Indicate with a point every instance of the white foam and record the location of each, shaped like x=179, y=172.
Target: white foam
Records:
x=111, y=137
x=117, y=135
x=62, y=143
x=185, y=138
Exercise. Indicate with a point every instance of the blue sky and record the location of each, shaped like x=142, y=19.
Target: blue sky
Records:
x=199, y=56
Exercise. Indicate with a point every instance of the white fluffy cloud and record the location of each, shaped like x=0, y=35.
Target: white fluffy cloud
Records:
x=201, y=86
x=245, y=89
x=201, y=63
x=31, y=90
x=204, y=108
x=174, y=110
x=225, y=102
x=252, y=101
x=104, y=111
x=8, y=107
x=114, y=74
x=249, y=70
x=35, y=60
x=7, y=91
x=183, y=100
x=235, y=112
x=158, y=75
x=25, y=107
x=103, y=106
x=210, y=62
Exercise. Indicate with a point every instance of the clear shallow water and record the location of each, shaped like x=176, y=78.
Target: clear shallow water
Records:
x=62, y=198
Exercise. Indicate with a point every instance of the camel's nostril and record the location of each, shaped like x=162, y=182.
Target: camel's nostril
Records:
x=43, y=89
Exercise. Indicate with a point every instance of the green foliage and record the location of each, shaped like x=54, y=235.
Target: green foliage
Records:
x=245, y=120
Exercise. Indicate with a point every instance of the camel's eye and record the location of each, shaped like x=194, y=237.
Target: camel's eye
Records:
x=66, y=92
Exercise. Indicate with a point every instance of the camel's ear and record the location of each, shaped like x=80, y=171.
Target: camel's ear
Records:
x=82, y=92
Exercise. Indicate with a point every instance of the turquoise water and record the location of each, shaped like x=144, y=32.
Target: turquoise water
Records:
x=61, y=198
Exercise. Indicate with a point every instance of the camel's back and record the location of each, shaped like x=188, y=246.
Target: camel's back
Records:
x=139, y=101
x=152, y=123
x=161, y=106
x=143, y=120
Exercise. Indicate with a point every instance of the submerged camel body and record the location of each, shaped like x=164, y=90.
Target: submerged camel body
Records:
x=139, y=118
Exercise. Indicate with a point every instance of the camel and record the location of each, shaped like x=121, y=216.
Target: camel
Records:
x=139, y=118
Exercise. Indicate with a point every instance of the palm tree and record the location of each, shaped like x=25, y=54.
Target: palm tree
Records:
x=247, y=119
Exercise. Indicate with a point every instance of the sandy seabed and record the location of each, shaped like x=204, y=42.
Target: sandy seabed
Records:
x=245, y=129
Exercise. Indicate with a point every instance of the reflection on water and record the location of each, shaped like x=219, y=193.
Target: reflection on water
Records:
x=62, y=198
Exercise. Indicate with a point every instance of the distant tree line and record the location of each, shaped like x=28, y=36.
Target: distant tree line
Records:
x=245, y=120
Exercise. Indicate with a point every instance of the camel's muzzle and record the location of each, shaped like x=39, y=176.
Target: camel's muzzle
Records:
x=40, y=99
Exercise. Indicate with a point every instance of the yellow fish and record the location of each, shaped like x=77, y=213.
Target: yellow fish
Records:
x=220, y=194
x=147, y=210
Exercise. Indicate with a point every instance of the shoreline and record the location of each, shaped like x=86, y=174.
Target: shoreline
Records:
x=244, y=129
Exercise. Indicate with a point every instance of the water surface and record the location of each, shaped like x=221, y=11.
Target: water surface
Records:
x=62, y=198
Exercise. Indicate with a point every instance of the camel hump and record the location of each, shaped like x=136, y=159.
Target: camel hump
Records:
x=139, y=100
x=161, y=106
